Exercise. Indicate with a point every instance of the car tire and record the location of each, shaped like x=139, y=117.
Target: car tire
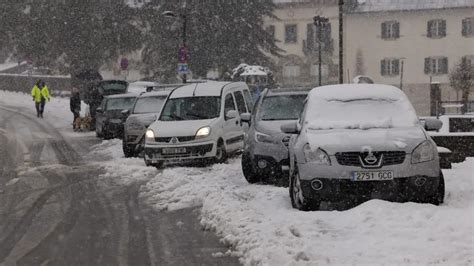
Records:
x=221, y=155
x=156, y=165
x=128, y=152
x=247, y=169
x=296, y=195
x=438, y=197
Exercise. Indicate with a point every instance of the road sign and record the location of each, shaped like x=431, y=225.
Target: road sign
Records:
x=124, y=63
x=183, y=54
x=183, y=68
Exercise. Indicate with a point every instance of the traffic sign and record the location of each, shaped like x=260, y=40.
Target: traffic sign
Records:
x=124, y=63
x=183, y=54
x=183, y=68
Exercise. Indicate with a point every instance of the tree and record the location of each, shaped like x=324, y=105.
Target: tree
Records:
x=74, y=35
x=219, y=35
x=11, y=17
x=462, y=79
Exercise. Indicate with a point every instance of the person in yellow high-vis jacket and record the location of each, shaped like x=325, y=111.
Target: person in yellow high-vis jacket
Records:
x=40, y=95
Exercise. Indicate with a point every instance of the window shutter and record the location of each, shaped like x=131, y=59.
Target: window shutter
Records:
x=395, y=67
x=382, y=68
x=396, y=30
x=429, y=29
x=427, y=65
x=444, y=65
x=464, y=27
x=384, y=30
x=442, y=28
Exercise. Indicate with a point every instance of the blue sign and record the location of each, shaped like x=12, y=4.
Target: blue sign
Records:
x=183, y=68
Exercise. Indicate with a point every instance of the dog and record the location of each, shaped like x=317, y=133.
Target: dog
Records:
x=83, y=123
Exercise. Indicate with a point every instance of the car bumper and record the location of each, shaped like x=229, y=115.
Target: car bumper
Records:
x=269, y=158
x=194, y=151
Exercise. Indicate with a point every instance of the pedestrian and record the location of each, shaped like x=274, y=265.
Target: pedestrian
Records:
x=40, y=94
x=75, y=106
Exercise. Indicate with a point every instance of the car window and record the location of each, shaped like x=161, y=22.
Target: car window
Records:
x=248, y=99
x=149, y=105
x=229, y=103
x=119, y=103
x=191, y=108
x=239, y=98
x=282, y=107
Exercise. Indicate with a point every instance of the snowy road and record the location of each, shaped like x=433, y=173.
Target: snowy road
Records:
x=54, y=210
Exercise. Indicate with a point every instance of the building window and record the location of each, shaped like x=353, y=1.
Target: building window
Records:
x=271, y=30
x=436, y=65
x=390, y=30
x=291, y=71
x=436, y=28
x=469, y=59
x=291, y=35
x=468, y=27
x=390, y=67
x=315, y=70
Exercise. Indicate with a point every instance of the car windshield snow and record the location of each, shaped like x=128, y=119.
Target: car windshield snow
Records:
x=119, y=103
x=146, y=105
x=284, y=107
x=361, y=114
x=191, y=108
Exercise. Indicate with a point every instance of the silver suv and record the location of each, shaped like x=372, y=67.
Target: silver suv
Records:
x=265, y=155
x=145, y=111
x=362, y=140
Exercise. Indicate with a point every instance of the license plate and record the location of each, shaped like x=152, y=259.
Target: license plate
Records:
x=174, y=150
x=372, y=176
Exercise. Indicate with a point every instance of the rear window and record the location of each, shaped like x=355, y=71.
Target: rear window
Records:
x=119, y=103
x=285, y=107
x=146, y=105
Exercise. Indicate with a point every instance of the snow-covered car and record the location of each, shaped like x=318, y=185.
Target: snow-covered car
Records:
x=110, y=117
x=362, y=141
x=145, y=111
x=265, y=153
x=199, y=121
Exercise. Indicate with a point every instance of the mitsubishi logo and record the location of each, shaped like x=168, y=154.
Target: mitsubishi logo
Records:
x=174, y=140
x=370, y=158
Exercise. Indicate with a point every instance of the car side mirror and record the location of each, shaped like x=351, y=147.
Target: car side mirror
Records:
x=99, y=110
x=246, y=117
x=125, y=112
x=433, y=124
x=290, y=128
x=231, y=114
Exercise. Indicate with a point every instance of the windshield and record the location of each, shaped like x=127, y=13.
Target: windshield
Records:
x=285, y=107
x=113, y=87
x=146, y=105
x=191, y=108
x=360, y=114
x=119, y=103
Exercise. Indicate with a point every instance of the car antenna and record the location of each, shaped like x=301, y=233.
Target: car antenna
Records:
x=194, y=92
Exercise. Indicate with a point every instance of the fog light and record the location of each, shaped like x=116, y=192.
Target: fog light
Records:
x=420, y=181
x=262, y=164
x=317, y=184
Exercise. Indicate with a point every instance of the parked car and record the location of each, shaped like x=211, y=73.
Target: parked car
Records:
x=110, y=117
x=199, y=122
x=265, y=153
x=145, y=111
x=363, y=141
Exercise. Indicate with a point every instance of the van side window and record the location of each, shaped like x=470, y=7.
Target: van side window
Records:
x=239, y=98
x=228, y=103
x=248, y=99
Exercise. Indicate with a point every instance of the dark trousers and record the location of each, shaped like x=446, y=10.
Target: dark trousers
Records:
x=40, y=108
x=76, y=115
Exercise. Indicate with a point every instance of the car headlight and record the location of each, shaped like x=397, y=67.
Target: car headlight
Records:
x=423, y=153
x=264, y=138
x=150, y=135
x=318, y=156
x=203, y=132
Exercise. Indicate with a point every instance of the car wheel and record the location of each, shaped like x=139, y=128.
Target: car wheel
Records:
x=127, y=151
x=438, y=197
x=298, y=200
x=247, y=169
x=221, y=155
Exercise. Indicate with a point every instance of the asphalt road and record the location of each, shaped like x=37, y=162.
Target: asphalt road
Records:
x=55, y=211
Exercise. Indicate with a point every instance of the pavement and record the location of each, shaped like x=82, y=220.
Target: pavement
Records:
x=54, y=210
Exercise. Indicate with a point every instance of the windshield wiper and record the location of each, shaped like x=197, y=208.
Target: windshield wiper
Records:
x=175, y=117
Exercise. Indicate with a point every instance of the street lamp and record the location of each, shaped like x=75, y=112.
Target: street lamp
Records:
x=183, y=67
x=320, y=22
x=341, y=41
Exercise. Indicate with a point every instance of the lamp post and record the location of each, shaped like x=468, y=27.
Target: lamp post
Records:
x=183, y=67
x=320, y=22
x=401, y=73
x=341, y=41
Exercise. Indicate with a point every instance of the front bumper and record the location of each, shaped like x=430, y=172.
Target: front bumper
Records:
x=194, y=151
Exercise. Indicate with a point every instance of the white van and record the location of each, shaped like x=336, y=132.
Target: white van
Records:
x=199, y=121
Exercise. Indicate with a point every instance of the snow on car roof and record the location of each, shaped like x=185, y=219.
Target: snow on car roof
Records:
x=123, y=95
x=353, y=92
x=212, y=88
x=288, y=91
x=155, y=93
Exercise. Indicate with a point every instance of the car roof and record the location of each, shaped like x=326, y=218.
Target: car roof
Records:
x=163, y=93
x=351, y=92
x=211, y=88
x=123, y=95
x=288, y=91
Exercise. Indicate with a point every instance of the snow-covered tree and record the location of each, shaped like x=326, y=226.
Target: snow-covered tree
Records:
x=462, y=79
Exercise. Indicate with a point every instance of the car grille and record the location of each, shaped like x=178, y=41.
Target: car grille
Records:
x=190, y=152
x=180, y=139
x=354, y=158
x=286, y=140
